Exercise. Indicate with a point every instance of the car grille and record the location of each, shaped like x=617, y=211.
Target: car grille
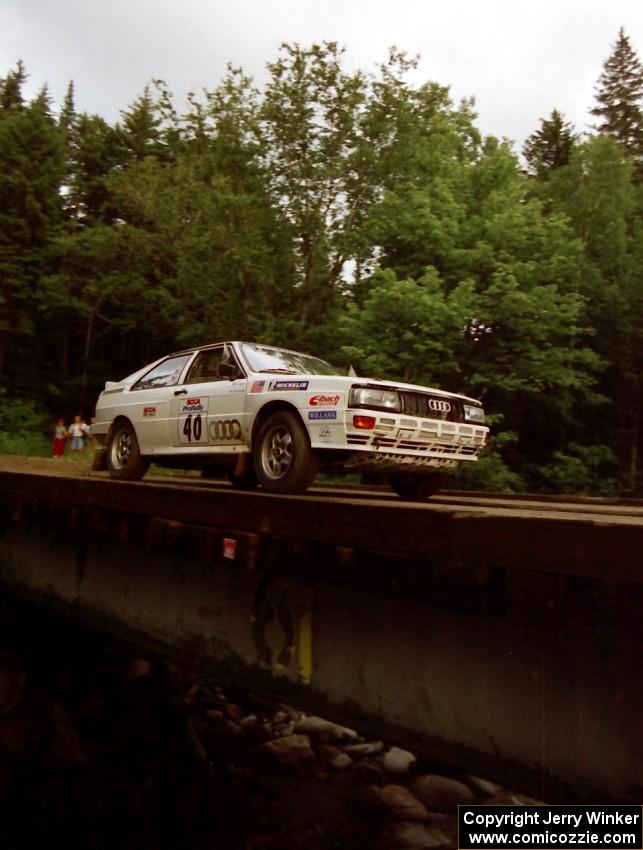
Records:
x=431, y=406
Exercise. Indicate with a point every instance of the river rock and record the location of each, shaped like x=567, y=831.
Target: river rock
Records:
x=482, y=786
x=324, y=730
x=401, y=803
x=441, y=793
x=370, y=749
x=398, y=761
x=292, y=752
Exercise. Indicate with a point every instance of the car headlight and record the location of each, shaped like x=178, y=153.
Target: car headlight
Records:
x=473, y=413
x=374, y=398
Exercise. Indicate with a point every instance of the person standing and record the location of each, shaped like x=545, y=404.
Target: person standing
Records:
x=76, y=432
x=60, y=438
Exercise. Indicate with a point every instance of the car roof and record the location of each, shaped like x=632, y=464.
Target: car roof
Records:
x=204, y=347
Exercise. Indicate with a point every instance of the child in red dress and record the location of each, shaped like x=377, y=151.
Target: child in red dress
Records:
x=60, y=438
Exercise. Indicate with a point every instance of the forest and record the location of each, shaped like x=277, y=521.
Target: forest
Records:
x=351, y=215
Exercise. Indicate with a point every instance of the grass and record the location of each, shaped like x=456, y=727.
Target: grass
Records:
x=26, y=445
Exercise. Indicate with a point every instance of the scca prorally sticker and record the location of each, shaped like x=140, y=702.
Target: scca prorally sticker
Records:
x=322, y=414
x=257, y=386
x=324, y=400
x=149, y=411
x=288, y=386
x=194, y=405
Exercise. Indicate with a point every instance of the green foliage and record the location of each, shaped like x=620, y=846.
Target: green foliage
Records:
x=492, y=472
x=23, y=425
x=618, y=97
x=31, y=170
x=581, y=470
x=550, y=146
x=406, y=328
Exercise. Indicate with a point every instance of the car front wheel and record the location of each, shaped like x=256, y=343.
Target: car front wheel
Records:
x=414, y=487
x=283, y=459
x=124, y=459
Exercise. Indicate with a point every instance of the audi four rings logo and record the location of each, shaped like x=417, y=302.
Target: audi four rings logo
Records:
x=224, y=429
x=440, y=405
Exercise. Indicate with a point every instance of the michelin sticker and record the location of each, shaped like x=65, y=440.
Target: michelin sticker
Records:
x=288, y=386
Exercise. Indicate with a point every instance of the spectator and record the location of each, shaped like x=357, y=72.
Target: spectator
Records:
x=60, y=438
x=77, y=432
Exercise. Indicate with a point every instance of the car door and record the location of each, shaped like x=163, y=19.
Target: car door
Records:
x=147, y=403
x=208, y=409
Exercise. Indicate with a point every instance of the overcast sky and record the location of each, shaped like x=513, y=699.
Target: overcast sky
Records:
x=519, y=60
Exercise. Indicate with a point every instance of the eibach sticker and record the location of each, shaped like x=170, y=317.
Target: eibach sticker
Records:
x=324, y=400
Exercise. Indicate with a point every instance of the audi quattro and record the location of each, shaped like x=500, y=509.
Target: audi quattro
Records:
x=274, y=417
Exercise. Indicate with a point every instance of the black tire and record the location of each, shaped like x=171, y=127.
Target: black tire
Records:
x=283, y=459
x=124, y=460
x=414, y=487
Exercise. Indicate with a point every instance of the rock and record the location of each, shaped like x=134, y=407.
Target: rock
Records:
x=326, y=753
x=398, y=761
x=368, y=773
x=401, y=803
x=282, y=717
x=293, y=752
x=370, y=749
x=440, y=792
x=215, y=716
x=233, y=711
x=417, y=836
x=324, y=730
x=341, y=761
x=137, y=668
x=482, y=786
x=282, y=730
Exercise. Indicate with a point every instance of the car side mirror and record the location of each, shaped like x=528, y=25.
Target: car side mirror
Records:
x=227, y=370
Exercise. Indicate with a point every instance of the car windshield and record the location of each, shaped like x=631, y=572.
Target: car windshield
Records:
x=264, y=358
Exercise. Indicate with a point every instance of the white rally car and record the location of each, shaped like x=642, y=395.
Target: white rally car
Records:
x=270, y=416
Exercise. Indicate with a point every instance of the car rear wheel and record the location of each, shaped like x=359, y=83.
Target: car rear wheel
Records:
x=124, y=459
x=283, y=459
x=414, y=487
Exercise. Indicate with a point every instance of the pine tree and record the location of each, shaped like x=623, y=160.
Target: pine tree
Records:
x=550, y=146
x=619, y=96
x=31, y=170
x=11, y=88
x=141, y=129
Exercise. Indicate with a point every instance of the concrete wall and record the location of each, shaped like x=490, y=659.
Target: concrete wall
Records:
x=516, y=673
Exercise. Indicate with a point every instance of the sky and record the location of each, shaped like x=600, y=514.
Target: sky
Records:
x=518, y=60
